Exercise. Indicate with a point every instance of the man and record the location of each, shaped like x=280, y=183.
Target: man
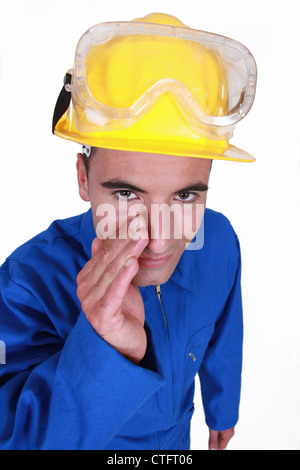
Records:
x=107, y=317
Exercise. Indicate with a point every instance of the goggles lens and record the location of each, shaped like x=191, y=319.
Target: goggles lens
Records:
x=121, y=69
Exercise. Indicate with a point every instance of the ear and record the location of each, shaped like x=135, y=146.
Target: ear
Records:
x=82, y=178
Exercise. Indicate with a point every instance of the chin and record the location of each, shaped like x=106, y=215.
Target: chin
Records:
x=151, y=277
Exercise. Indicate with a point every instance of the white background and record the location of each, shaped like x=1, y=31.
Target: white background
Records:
x=38, y=179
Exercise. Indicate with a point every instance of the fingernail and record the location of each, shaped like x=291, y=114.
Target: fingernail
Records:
x=128, y=262
x=135, y=223
x=136, y=236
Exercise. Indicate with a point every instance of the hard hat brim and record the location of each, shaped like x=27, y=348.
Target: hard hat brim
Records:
x=231, y=153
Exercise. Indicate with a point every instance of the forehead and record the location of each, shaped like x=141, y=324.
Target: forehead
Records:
x=148, y=167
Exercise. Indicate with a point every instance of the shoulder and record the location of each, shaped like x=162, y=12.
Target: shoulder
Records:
x=219, y=233
x=59, y=245
x=211, y=270
x=218, y=222
x=219, y=256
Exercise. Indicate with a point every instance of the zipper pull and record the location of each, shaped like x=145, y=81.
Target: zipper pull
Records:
x=158, y=291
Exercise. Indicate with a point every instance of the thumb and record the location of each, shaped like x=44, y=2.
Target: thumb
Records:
x=96, y=245
x=213, y=443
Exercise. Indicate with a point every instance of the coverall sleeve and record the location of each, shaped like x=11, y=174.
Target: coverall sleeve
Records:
x=62, y=394
x=220, y=371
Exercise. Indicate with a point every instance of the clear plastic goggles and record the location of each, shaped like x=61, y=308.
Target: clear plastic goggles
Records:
x=122, y=68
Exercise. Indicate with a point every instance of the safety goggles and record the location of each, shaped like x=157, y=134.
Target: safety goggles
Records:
x=122, y=68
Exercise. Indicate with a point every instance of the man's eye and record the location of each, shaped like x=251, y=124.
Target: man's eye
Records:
x=186, y=197
x=125, y=194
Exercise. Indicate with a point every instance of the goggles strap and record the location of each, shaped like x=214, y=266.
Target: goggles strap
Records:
x=63, y=101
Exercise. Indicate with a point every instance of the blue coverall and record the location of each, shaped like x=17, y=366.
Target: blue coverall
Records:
x=64, y=387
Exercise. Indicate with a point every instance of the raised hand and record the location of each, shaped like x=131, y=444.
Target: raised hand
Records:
x=112, y=305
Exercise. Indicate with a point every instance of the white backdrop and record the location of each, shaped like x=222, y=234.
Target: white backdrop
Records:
x=38, y=178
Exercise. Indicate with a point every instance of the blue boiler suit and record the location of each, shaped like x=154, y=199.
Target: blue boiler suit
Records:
x=63, y=387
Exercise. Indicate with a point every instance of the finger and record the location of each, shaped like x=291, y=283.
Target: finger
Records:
x=225, y=437
x=213, y=443
x=223, y=443
x=95, y=246
x=133, y=249
x=123, y=329
x=135, y=225
x=94, y=287
x=111, y=252
x=107, y=313
x=103, y=251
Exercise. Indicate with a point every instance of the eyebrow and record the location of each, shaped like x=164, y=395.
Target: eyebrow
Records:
x=117, y=184
x=194, y=187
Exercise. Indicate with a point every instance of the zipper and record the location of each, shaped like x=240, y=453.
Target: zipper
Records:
x=158, y=292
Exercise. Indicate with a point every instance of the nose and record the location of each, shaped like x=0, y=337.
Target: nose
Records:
x=159, y=231
x=157, y=247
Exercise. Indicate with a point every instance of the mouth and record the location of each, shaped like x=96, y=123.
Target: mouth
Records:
x=153, y=262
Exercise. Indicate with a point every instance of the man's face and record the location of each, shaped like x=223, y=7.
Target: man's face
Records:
x=153, y=181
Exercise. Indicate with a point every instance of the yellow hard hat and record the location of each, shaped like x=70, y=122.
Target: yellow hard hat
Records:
x=155, y=85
